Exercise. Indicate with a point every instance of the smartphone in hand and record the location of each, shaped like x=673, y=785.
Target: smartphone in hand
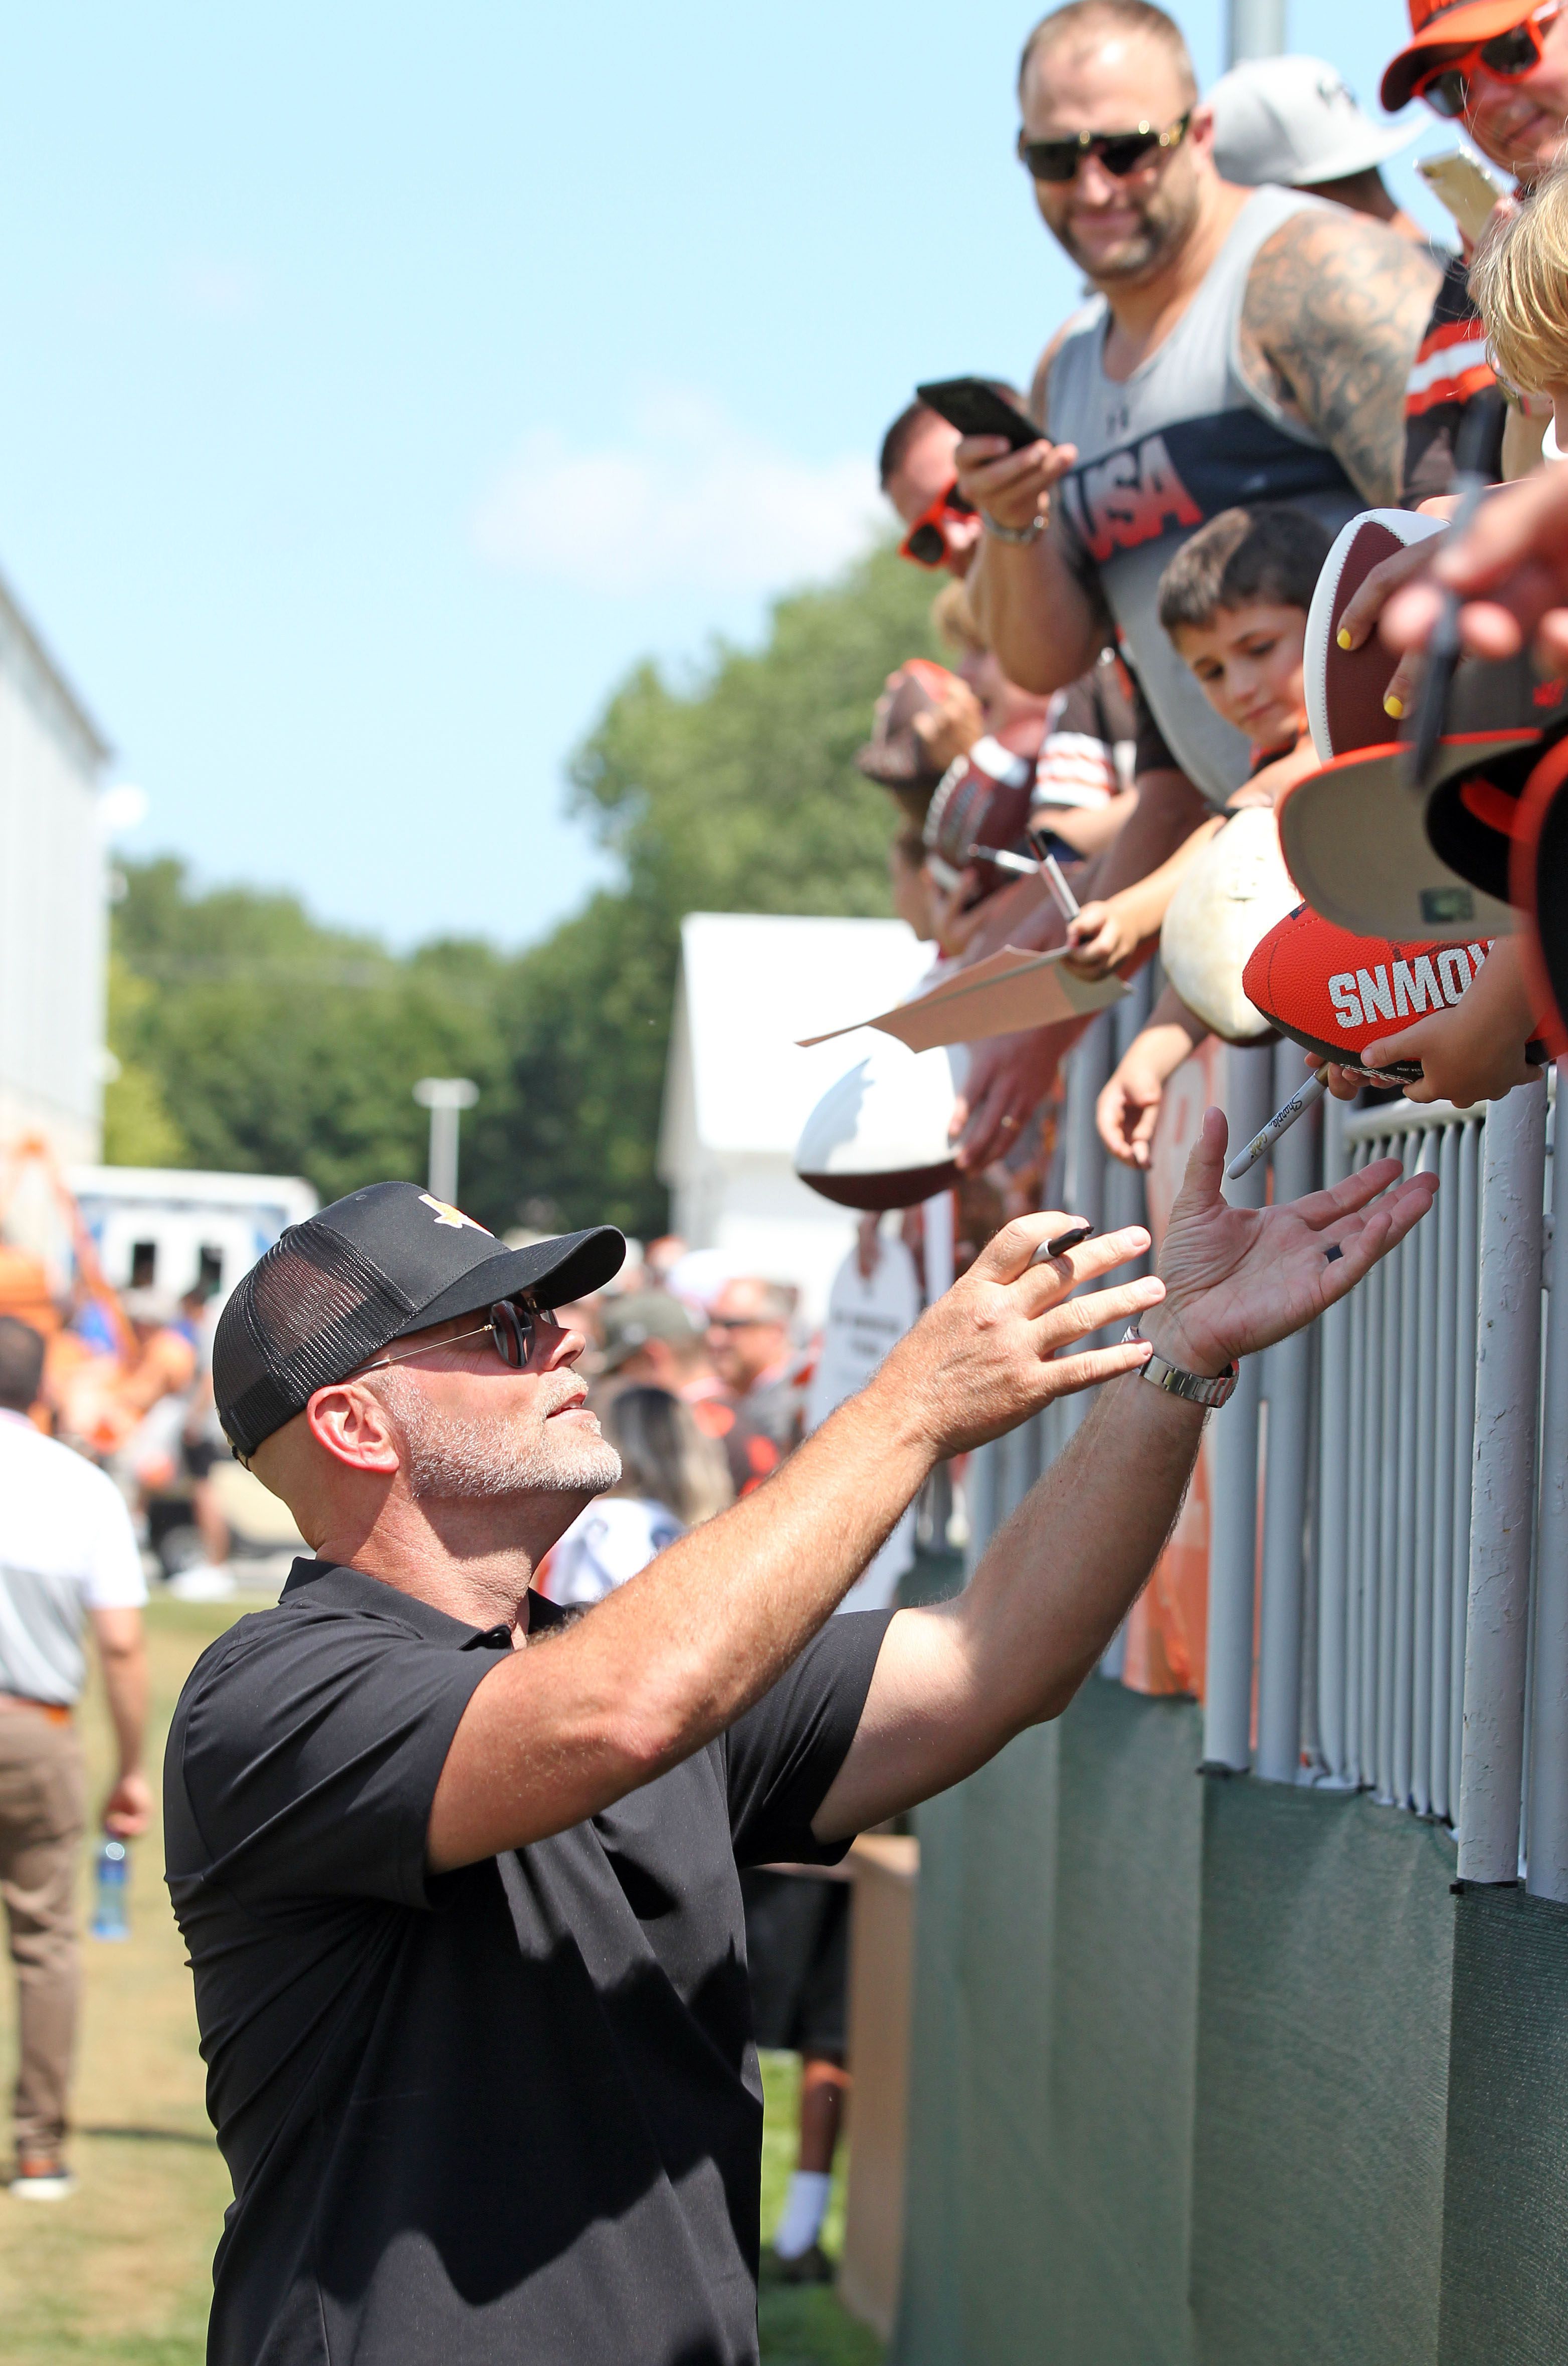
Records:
x=1462, y=184
x=976, y=409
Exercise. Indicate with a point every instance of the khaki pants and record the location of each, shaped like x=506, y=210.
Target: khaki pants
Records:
x=42, y=1809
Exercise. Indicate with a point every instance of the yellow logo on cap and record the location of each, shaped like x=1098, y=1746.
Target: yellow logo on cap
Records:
x=452, y=1216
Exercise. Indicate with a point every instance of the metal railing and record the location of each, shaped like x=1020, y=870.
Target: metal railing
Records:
x=1392, y=1615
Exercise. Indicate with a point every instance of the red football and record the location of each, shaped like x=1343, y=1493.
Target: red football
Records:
x=1336, y=993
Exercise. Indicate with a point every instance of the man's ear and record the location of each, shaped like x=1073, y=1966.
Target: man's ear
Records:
x=352, y=1424
x=1200, y=130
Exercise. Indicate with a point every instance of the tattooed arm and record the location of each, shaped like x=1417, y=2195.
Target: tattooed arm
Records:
x=1335, y=305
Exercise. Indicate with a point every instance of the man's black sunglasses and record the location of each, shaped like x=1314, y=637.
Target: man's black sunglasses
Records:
x=513, y=1326
x=1121, y=153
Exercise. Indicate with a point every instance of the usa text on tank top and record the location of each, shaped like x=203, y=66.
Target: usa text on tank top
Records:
x=1182, y=438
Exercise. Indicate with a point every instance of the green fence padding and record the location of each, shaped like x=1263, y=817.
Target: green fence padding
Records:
x=1323, y=2044
x=930, y=2308
x=1051, y=2059
x=1125, y=1979
x=1505, y=2235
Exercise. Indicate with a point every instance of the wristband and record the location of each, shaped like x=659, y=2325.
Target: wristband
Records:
x=1014, y=534
x=1190, y=1386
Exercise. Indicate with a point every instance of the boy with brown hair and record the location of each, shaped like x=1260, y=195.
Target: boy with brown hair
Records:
x=1234, y=602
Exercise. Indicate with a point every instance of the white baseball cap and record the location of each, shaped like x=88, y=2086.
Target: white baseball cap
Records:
x=1294, y=120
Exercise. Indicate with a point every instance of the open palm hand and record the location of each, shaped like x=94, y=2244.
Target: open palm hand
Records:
x=1238, y=1279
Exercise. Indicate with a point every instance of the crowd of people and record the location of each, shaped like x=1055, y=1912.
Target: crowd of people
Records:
x=1215, y=576
x=1270, y=353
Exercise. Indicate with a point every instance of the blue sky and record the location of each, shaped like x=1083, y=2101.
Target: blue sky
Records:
x=380, y=383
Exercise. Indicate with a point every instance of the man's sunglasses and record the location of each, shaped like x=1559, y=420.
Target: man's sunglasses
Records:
x=925, y=543
x=1121, y=153
x=1507, y=56
x=512, y=1327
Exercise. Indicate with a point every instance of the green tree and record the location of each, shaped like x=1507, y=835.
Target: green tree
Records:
x=253, y=1037
x=139, y=1130
x=736, y=793
x=283, y=1047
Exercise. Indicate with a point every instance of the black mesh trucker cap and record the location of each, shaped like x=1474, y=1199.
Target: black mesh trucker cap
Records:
x=333, y=1292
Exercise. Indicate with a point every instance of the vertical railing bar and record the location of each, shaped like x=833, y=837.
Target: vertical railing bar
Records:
x=1508, y=1384
x=1425, y=1238
x=1388, y=1522
x=1233, y=1475
x=1372, y=1473
x=1446, y=1300
x=1400, y=1750
x=1355, y=1525
x=1084, y=1166
x=1313, y=1762
x=1287, y=1382
x=1549, y=1739
x=1334, y=1484
x=1464, y=1441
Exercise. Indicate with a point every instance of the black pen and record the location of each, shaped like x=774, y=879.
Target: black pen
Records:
x=1073, y=1237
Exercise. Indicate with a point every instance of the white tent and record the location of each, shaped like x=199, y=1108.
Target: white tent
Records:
x=737, y=1090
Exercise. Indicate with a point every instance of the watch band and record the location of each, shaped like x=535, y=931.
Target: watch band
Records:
x=1192, y=1386
x=1014, y=534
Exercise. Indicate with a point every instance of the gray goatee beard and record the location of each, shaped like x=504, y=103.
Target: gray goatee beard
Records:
x=467, y=1459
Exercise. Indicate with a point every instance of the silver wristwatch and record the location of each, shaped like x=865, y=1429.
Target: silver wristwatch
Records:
x=1170, y=1377
x=1015, y=533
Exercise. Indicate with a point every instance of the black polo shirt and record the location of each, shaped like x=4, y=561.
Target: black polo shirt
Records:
x=507, y=2114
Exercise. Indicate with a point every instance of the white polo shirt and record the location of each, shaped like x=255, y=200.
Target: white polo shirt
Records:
x=66, y=1547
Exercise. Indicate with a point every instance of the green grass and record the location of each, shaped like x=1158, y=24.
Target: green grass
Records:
x=121, y=2275
x=802, y=2325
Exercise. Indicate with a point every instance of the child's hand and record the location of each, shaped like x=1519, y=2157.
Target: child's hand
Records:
x=1460, y=1063
x=1101, y=939
x=1128, y=1109
x=1476, y=1051
x=1343, y=1082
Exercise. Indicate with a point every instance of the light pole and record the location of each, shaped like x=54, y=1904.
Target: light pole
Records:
x=444, y=1097
x=1255, y=28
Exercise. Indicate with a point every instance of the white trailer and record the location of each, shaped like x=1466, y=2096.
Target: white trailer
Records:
x=172, y=1228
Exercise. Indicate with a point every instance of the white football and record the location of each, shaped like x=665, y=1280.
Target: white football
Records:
x=879, y=1137
x=1233, y=892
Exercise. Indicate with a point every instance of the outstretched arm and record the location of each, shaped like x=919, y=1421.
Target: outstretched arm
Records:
x=952, y=1685
x=1038, y=616
x=558, y=1731
x=1336, y=307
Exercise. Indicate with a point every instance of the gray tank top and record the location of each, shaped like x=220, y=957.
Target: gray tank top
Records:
x=1182, y=439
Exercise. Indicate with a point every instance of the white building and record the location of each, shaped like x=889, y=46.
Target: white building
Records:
x=737, y=1090
x=52, y=902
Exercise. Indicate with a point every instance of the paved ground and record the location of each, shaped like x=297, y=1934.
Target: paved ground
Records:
x=120, y=2275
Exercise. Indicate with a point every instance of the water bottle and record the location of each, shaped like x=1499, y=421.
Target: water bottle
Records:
x=110, y=1917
